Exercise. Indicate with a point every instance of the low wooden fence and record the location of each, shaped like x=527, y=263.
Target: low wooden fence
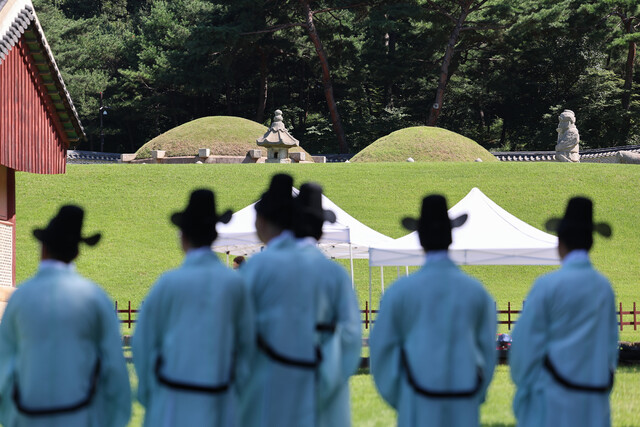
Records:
x=129, y=312
x=127, y=315
x=509, y=316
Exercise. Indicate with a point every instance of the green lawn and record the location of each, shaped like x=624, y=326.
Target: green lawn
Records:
x=131, y=205
x=369, y=410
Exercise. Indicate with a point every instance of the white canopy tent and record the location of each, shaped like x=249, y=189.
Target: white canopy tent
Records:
x=490, y=236
x=347, y=238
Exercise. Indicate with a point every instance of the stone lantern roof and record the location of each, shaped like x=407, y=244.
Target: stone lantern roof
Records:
x=277, y=135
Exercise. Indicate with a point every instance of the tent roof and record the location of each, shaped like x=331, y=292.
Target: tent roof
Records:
x=490, y=236
x=239, y=237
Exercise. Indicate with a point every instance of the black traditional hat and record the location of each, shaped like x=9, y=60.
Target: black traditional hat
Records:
x=63, y=234
x=276, y=204
x=199, y=218
x=434, y=226
x=308, y=212
x=576, y=227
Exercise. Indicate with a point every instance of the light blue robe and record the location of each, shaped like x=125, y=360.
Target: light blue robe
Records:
x=294, y=288
x=198, y=318
x=56, y=325
x=446, y=323
x=569, y=315
x=336, y=305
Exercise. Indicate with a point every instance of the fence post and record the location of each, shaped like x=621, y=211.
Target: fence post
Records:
x=366, y=314
x=129, y=314
x=635, y=323
x=509, y=315
x=620, y=312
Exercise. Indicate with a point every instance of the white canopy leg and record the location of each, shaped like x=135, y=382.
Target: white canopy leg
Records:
x=406, y=270
x=353, y=285
x=382, y=280
x=227, y=258
x=370, y=302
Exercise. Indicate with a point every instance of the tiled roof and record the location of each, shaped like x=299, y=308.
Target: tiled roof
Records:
x=549, y=156
x=88, y=157
x=337, y=158
x=18, y=20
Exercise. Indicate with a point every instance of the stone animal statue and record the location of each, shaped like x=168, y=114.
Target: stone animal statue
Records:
x=567, y=147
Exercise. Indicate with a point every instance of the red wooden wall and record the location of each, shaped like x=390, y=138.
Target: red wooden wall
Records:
x=31, y=136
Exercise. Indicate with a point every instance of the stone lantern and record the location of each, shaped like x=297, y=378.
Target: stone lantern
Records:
x=277, y=141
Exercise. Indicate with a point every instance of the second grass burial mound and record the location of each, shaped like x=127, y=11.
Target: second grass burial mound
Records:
x=424, y=144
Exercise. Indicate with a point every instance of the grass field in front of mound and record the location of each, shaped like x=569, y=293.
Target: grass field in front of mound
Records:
x=131, y=204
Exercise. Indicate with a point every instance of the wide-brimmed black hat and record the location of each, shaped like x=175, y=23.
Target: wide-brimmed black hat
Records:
x=200, y=216
x=577, y=226
x=309, y=203
x=309, y=216
x=63, y=234
x=276, y=204
x=434, y=225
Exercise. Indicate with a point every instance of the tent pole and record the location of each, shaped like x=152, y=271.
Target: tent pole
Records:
x=382, y=279
x=370, y=302
x=406, y=270
x=227, y=258
x=353, y=286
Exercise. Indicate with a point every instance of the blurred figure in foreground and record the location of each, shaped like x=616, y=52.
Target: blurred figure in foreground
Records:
x=194, y=337
x=565, y=344
x=433, y=343
x=338, y=317
x=61, y=360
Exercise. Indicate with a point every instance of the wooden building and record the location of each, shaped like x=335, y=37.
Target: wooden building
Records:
x=37, y=118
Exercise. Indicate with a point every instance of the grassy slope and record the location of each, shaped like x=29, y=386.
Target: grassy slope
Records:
x=224, y=135
x=131, y=205
x=423, y=144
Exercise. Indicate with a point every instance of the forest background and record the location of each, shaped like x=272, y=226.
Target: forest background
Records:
x=346, y=72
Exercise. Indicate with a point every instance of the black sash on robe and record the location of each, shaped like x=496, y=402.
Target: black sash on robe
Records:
x=438, y=394
x=575, y=386
x=55, y=410
x=180, y=385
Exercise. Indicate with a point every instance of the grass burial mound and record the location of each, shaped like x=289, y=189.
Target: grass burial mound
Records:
x=223, y=135
x=424, y=144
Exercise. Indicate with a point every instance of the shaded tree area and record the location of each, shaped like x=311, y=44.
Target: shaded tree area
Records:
x=346, y=72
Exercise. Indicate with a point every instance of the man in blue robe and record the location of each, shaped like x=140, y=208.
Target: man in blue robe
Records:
x=565, y=343
x=284, y=291
x=194, y=338
x=338, y=322
x=61, y=360
x=433, y=343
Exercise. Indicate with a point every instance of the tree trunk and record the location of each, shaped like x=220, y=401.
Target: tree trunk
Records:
x=436, y=107
x=264, y=86
x=326, y=76
x=628, y=69
x=390, y=43
x=503, y=134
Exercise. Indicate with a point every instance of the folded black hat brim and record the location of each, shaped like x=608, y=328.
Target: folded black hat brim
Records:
x=602, y=228
x=181, y=220
x=44, y=236
x=411, y=224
